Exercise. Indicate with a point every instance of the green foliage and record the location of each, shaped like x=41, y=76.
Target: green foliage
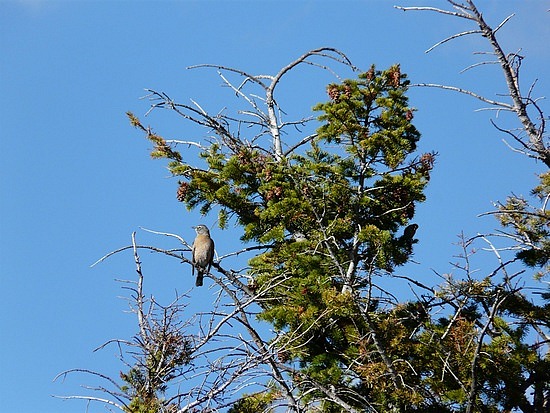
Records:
x=349, y=193
x=143, y=397
x=255, y=403
x=530, y=226
x=164, y=353
x=371, y=123
x=372, y=116
x=352, y=193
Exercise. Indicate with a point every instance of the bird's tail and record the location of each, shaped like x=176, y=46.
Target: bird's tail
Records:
x=200, y=277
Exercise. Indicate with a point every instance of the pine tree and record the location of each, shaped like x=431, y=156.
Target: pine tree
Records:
x=351, y=194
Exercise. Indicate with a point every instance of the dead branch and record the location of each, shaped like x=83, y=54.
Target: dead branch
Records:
x=269, y=119
x=171, y=253
x=472, y=394
x=504, y=106
x=510, y=64
x=94, y=399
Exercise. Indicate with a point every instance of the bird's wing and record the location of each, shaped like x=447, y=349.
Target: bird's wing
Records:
x=210, y=254
x=193, y=259
x=211, y=251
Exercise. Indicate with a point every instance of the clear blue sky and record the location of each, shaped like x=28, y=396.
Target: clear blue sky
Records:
x=76, y=179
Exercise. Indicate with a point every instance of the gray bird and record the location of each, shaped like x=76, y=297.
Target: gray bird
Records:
x=202, y=252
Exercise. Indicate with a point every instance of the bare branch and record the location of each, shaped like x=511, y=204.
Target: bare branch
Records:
x=180, y=239
x=472, y=66
x=303, y=141
x=505, y=106
x=93, y=399
x=509, y=64
x=435, y=9
x=454, y=36
x=139, y=298
x=188, y=143
x=503, y=23
x=66, y=372
x=472, y=394
x=172, y=253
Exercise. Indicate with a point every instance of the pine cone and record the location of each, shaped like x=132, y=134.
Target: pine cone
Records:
x=427, y=160
x=370, y=74
x=182, y=191
x=333, y=92
x=395, y=76
x=347, y=91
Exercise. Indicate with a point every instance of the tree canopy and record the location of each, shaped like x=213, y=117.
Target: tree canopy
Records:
x=323, y=218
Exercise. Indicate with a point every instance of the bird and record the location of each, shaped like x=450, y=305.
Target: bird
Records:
x=409, y=231
x=202, y=253
x=407, y=239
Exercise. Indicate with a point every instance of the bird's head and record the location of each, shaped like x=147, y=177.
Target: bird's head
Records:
x=201, y=229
